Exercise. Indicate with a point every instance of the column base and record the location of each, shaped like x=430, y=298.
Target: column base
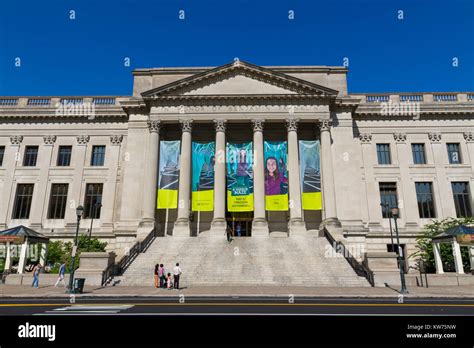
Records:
x=260, y=228
x=296, y=227
x=181, y=228
x=144, y=228
x=334, y=222
x=218, y=227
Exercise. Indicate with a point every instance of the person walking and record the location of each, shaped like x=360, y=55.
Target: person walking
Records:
x=62, y=272
x=36, y=272
x=238, y=229
x=228, y=232
x=161, y=275
x=176, y=272
x=156, y=276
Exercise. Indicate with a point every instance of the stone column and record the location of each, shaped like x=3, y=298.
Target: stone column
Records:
x=8, y=258
x=457, y=257
x=23, y=256
x=151, y=178
x=329, y=192
x=218, y=224
x=437, y=258
x=181, y=226
x=296, y=224
x=471, y=257
x=259, y=224
x=43, y=254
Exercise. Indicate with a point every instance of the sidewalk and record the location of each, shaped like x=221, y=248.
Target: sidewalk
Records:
x=21, y=291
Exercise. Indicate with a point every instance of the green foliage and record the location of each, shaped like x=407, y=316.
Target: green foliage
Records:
x=59, y=252
x=425, y=247
x=2, y=265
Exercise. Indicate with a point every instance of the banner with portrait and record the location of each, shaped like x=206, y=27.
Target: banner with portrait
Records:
x=203, y=159
x=168, y=174
x=239, y=177
x=310, y=174
x=276, y=175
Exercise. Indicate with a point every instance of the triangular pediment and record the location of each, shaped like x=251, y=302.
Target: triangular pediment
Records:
x=239, y=78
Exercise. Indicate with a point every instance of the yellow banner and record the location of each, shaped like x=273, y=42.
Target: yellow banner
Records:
x=203, y=200
x=312, y=201
x=276, y=202
x=167, y=199
x=239, y=203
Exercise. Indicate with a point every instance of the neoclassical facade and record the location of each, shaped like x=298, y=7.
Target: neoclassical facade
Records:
x=413, y=150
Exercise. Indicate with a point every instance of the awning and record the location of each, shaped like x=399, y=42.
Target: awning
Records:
x=462, y=233
x=18, y=235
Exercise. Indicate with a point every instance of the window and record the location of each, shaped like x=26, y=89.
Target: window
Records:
x=388, y=195
x=454, y=155
x=383, y=153
x=424, y=196
x=98, y=155
x=92, y=201
x=57, y=201
x=462, y=200
x=31, y=154
x=2, y=153
x=418, y=151
x=64, y=156
x=24, y=195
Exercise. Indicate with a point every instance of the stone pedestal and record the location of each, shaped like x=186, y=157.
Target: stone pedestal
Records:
x=92, y=266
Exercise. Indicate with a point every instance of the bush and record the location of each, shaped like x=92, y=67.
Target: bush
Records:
x=425, y=246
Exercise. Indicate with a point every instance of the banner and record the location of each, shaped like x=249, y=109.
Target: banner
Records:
x=168, y=175
x=310, y=174
x=239, y=177
x=276, y=175
x=203, y=176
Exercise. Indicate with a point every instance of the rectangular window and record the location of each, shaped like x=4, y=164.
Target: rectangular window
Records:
x=388, y=195
x=24, y=195
x=454, y=154
x=2, y=153
x=58, y=201
x=418, y=151
x=31, y=155
x=98, y=155
x=424, y=196
x=383, y=153
x=462, y=199
x=64, y=156
x=93, y=200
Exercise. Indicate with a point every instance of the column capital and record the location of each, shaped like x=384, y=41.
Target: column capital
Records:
x=186, y=125
x=116, y=139
x=325, y=125
x=16, y=139
x=220, y=125
x=82, y=139
x=400, y=137
x=292, y=124
x=49, y=139
x=365, y=138
x=154, y=126
x=434, y=137
x=469, y=137
x=258, y=124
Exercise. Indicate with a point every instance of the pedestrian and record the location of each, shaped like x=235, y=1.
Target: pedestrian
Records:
x=156, y=275
x=176, y=272
x=238, y=228
x=161, y=275
x=36, y=272
x=168, y=282
x=62, y=271
x=228, y=232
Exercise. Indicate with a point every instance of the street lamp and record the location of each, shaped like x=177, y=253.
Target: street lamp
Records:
x=96, y=205
x=385, y=205
x=79, y=212
x=395, y=213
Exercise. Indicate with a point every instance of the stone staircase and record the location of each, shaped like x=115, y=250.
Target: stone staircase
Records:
x=296, y=261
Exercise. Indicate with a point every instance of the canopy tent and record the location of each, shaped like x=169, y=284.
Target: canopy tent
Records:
x=458, y=236
x=24, y=236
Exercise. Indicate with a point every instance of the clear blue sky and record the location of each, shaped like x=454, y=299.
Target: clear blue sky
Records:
x=86, y=56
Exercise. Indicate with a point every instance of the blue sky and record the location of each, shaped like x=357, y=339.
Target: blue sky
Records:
x=85, y=56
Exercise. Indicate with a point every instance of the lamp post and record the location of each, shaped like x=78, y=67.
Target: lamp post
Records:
x=395, y=213
x=385, y=205
x=79, y=212
x=96, y=205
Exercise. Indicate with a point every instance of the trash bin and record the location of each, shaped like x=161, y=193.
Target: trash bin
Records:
x=79, y=285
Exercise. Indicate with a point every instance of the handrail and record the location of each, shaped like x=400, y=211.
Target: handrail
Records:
x=360, y=268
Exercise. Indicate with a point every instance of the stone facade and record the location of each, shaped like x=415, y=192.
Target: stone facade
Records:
x=236, y=102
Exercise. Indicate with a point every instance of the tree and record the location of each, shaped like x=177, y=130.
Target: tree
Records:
x=425, y=246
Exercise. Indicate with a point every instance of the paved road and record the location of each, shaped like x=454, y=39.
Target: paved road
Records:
x=176, y=305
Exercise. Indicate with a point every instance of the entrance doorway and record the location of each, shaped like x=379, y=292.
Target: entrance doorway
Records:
x=240, y=223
